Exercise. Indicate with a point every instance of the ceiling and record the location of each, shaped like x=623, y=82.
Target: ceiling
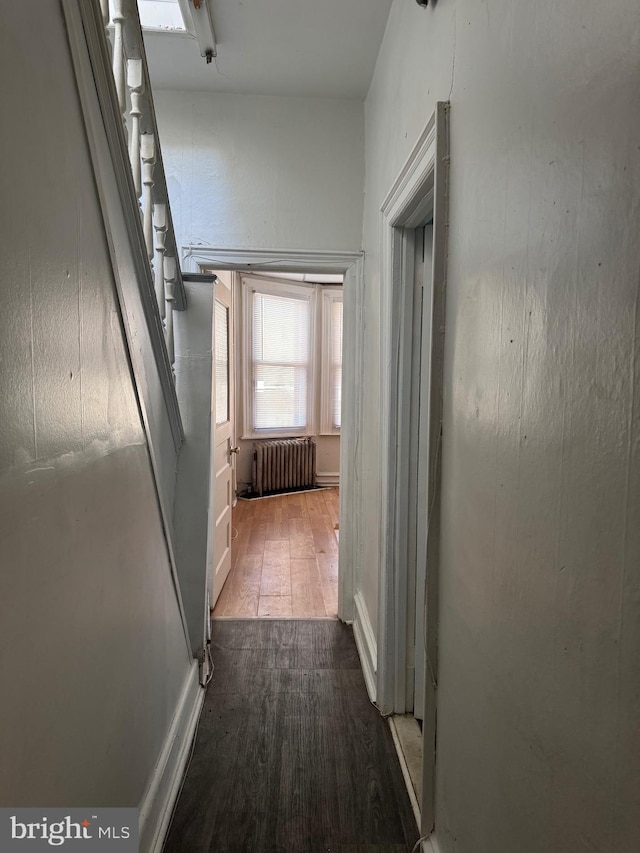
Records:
x=302, y=48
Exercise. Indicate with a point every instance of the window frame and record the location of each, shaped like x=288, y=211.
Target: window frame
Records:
x=255, y=284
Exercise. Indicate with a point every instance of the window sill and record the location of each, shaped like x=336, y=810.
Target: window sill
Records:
x=257, y=436
x=289, y=434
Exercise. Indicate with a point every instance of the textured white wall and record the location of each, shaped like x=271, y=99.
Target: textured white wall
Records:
x=538, y=740
x=263, y=172
x=92, y=651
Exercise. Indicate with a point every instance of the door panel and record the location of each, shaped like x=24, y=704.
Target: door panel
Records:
x=223, y=457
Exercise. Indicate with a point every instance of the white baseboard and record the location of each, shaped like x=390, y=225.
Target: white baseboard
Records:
x=331, y=478
x=158, y=801
x=406, y=775
x=366, y=643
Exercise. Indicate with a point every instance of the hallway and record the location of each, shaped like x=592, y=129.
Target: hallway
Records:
x=290, y=755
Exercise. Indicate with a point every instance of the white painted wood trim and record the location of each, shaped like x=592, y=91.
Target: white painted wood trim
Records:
x=274, y=260
x=366, y=644
x=164, y=785
x=331, y=478
x=351, y=541
x=406, y=775
x=421, y=186
x=407, y=185
x=410, y=195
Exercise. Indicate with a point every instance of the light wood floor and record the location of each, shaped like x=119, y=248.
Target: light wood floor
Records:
x=284, y=559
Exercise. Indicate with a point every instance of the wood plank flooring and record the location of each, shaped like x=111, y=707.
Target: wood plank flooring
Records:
x=290, y=755
x=284, y=559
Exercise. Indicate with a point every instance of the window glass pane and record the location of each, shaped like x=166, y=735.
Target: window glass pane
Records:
x=222, y=362
x=336, y=363
x=280, y=329
x=281, y=350
x=280, y=397
x=161, y=14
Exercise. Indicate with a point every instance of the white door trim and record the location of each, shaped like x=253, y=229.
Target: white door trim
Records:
x=351, y=265
x=421, y=186
x=194, y=257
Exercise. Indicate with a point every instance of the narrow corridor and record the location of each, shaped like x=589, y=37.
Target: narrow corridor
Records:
x=290, y=755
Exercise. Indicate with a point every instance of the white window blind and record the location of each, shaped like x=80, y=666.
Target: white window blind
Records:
x=335, y=344
x=281, y=350
x=331, y=358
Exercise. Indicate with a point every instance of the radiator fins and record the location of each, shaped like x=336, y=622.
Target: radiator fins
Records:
x=282, y=464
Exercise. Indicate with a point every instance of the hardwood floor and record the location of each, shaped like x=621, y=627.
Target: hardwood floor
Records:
x=284, y=559
x=290, y=755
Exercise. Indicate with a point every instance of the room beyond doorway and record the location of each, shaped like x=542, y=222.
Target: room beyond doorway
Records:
x=284, y=557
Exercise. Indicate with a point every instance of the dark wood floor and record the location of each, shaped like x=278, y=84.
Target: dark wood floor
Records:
x=290, y=757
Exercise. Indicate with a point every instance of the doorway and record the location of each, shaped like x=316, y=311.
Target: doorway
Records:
x=312, y=520
x=286, y=424
x=417, y=495
x=414, y=228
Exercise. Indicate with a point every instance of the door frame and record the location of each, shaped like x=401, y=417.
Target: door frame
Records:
x=350, y=265
x=420, y=189
x=418, y=442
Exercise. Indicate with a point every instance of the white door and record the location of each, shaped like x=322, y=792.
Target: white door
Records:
x=223, y=451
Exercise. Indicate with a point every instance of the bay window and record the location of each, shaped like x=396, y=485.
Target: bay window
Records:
x=292, y=358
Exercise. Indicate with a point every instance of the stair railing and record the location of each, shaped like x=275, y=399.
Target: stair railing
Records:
x=131, y=78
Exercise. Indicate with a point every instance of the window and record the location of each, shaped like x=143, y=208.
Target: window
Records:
x=163, y=15
x=281, y=331
x=279, y=358
x=331, y=403
x=292, y=356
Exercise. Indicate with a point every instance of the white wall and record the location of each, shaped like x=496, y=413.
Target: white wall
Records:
x=92, y=650
x=263, y=172
x=538, y=744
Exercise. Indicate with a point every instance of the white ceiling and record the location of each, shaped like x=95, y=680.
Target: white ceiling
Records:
x=304, y=48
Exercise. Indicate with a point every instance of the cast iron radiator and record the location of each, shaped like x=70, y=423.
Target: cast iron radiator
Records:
x=280, y=464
